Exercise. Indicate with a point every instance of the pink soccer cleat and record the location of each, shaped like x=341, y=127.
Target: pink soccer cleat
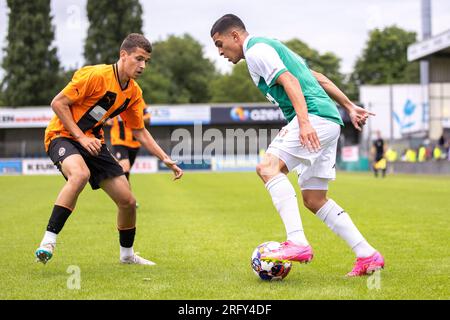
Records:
x=369, y=265
x=289, y=251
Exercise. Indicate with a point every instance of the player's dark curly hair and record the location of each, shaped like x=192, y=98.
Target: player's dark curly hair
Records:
x=226, y=22
x=136, y=40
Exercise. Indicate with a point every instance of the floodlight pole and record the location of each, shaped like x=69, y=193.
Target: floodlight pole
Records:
x=424, y=63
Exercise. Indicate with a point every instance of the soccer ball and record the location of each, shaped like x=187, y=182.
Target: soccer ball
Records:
x=269, y=270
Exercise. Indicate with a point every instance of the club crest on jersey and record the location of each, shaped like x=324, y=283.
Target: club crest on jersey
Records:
x=62, y=151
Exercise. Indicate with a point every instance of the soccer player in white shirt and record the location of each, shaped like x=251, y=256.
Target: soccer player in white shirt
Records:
x=307, y=144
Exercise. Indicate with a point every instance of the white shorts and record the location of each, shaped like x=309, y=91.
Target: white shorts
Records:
x=322, y=164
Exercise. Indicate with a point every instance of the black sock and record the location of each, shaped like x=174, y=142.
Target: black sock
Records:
x=58, y=219
x=127, y=175
x=126, y=237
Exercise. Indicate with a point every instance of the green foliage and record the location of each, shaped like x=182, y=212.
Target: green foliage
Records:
x=109, y=23
x=236, y=87
x=31, y=64
x=155, y=86
x=179, y=73
x=350, y=88
x=65, y=76
x=384, y=59
x=239, y=87
x=327, y=63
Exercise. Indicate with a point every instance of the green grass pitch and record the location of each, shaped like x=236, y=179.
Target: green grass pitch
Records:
x=202, y=230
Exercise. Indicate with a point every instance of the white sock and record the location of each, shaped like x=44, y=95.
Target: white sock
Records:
x=364, y=249
x=285, y=200
x=126, y=252
x=49, y=237
x=340, y=223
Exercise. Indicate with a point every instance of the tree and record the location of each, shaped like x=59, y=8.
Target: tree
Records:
x=109, y=23
x=66, y=76
x=239, y=87
x=384, y=59
x=31, y=65
x=327, y=63
x=179, y=72
x=236, y=87
x=155, y=86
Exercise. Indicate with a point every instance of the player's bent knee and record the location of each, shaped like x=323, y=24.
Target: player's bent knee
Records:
x=127, y=203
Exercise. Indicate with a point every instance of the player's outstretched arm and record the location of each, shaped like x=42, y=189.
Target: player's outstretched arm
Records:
x=146, y=139
x=358, y=115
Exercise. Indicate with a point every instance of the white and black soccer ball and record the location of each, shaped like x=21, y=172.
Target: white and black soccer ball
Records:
x=269, y=270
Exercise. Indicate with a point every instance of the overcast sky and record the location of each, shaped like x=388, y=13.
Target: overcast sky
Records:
x=339, y=26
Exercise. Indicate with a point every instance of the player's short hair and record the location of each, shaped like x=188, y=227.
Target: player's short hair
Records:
x=136, y=40
x=226, y=22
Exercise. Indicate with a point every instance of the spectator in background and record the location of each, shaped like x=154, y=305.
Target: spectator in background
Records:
x=411, y=155
x=378, y=156
x=391, y=155
x=437, y=153
x=422, y=154
x=443, y=143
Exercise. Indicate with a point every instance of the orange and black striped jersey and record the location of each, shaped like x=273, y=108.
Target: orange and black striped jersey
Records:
x=97, y=96
x=121, y=135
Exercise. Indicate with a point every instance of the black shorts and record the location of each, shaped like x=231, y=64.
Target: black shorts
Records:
x=124, y=152
x=101, y=167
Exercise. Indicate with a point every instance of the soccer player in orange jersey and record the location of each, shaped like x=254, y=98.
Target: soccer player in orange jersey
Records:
x=125, y=146
x=75, y=143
